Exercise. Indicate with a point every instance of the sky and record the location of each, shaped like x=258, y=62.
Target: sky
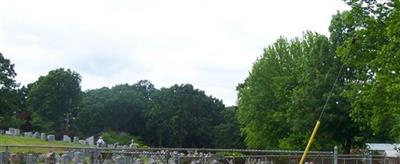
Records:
x=211, y=44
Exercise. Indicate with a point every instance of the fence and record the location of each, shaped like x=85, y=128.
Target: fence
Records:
x=32, y=154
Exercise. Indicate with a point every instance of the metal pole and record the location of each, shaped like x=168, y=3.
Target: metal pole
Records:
x=335, y=155
x=369, y=157
x=309, y=142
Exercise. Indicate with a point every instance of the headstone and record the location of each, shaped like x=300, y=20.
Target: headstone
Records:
x=51, y=138
x=43, y=136
x=78, y=157
x=120, y=160
x=17, y=132
x=4, y=157
x=107, y=161
x=11, y=131
x=57, y=157
x=76, y=139
x=28, y=134
x=65, y=158
x=66, y=138
x=8, y=132
x=2, y=131
x=83, y=142
x=30, y=159
x=90, y=140
x=36, y=135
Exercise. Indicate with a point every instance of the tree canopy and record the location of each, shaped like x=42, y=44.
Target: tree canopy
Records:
x=53, y=99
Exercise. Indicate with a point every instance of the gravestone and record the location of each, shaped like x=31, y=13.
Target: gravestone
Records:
x=43, y=136
x=65, y=158
x=120, y=160
x=30, y=159
x=2, y=131
x=66, y=138
x=36, y=135
x=90, y=140
x=57, y=157
x=28, y=134
x=76, y=139
x=78, y=157
x=83, y=142
x=51, y=138
x=4, y=157
x=8, y=132
x=12, y=131
x=107, y=161
x=17, y=132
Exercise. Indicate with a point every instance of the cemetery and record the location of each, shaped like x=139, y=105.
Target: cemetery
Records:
x=90, y=151
x=204, y=82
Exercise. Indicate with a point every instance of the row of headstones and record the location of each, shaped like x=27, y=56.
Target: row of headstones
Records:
x=50, y=137
x=75, y=157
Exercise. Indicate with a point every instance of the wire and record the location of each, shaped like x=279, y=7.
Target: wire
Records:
x=330, y=93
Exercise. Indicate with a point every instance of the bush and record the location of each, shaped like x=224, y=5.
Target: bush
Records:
x=122, y=138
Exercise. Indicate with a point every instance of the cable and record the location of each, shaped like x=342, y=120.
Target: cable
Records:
x=330, y=93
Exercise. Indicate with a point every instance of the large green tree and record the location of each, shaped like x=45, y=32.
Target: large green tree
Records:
x=282, y=98
x=120, y=108
x=53, y=99
x=227, y=134
x=181, y=116
x=8, y=85
x=367, y=41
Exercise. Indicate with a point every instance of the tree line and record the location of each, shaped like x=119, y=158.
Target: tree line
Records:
x=178, y=116
x=278, y=103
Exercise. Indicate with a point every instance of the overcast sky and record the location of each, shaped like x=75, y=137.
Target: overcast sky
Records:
x=211, y=44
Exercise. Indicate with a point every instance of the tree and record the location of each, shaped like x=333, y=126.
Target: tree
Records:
x=181, y=116
x=8, y=105
x=227, y=134
x=282, y=98
x=53, y=99
x=120, y=108
x=367, y=39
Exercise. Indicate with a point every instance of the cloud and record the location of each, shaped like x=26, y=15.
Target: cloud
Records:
x=210, y=44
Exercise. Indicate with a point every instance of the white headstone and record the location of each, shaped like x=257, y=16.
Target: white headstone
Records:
x=51, y=137
x=78, y=157
x=90, y=140
x=17, y=132
x=28, y=134
x=65, y=158
x=76, y=139
x=12, y=131
x=43, y=136
x=36, y=135
x=66, y=138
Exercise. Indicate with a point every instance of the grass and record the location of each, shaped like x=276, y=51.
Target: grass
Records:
x=35, y=145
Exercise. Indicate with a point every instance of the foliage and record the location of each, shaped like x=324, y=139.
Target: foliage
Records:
x=53, y=98
x=120, y=108
x=281, y=99
x=181, y=116
x=8, y=103
x=227, y=134
x=111, y=137
x=369, y=37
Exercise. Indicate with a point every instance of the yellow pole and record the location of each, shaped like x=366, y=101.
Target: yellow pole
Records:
x=309, y=142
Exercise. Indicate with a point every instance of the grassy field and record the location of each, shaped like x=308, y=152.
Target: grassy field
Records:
x=42, y=146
